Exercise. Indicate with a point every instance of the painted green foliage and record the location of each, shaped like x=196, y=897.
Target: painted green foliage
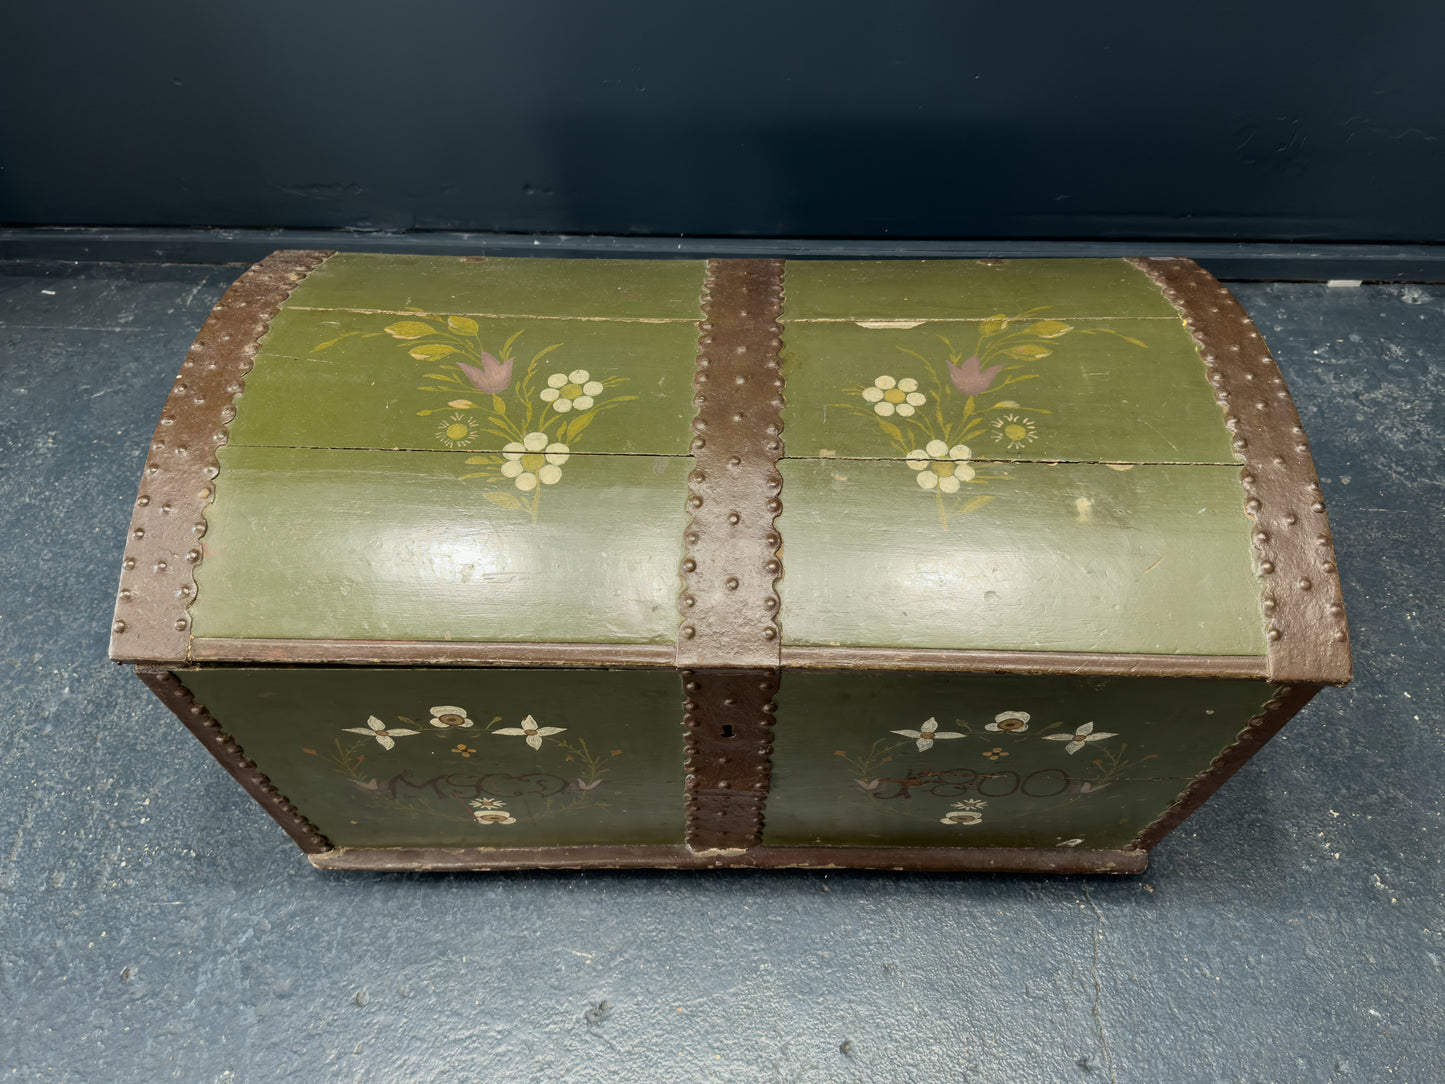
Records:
x=509, y=759
x=986, y=760
x=935, y=415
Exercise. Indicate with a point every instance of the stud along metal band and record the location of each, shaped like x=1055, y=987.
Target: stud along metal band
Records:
x=728, y=643
x=158, y=583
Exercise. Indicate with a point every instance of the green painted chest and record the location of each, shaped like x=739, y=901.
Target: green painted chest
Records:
x=478, y=563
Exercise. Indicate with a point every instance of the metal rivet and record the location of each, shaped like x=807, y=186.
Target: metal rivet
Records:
x=731, y=583
x=1305, y=585
x=142, y=500
x=1340, y=637
x=139, y=532
x=181, y=625
x=688, y=632
x=119, y=626
x=160, y=566
x=1318, y=506
x=689, y=601
x=689, y=565
x=129, y=562
x=1291, y=519
x=193, y=556
x=1274, y=634
x=773, y=566
x=694, y=501
x=770, y=633
x=124, y=596
x=734, y=461
x=690, y=538
x=1266, y=567
x=1261, y=537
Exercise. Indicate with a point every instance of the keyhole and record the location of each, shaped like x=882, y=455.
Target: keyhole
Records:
x=727, y=730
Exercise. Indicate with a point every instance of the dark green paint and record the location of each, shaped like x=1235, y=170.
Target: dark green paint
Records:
x=1095, y=396
x=1028, y=556
x=621, y=289
x=398, y=546
x=969, y=289
x=337, y=379
x=617, y=779
x=840, y=776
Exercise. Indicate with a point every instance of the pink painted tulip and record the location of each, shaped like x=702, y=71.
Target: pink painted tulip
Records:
x=493, y=377
x=971, y=378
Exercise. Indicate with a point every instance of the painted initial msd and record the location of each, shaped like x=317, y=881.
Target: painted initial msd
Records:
x=983, y=521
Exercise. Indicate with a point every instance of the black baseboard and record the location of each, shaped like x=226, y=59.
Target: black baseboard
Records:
x=1235, y=261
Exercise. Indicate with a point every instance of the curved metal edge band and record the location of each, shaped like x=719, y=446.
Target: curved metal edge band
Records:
x=230, y=756
x=906, y=859
x=158, y=582
x=729, y=640
x=1304, y=609
x=1287, y=700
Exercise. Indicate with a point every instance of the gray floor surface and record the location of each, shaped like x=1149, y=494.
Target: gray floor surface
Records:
x=155, y=925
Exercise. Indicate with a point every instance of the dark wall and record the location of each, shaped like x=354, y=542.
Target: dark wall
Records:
x=1311, y=122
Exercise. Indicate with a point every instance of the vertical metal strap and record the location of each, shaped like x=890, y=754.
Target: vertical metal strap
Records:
x=729, y=639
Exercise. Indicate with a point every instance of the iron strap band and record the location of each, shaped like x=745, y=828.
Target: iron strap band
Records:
x=729, y=643
x=158, y=584
x=1303, y=609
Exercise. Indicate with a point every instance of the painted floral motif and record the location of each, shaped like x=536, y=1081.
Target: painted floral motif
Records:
x=1014, y=431
x=965, y=813
x=529, y=729
x=1014, y=722
x=571, y=391
x=447, y=716
x=930, y=415
x=927, y=734
x=890, y=396
x=457, y=431
x=532, y=460
x=375, y=728
x=490, y=811
x=941, y=467
x=1080, y=737
x=996, y=752
x=496, y=400
x=419, y=781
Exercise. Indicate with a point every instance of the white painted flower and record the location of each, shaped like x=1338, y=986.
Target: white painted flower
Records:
x=446, y=716
x=534, y=460
x=490, y=811
x=964, y=813
x=927, y=734
x=1014, y=722
x=571, y=391
x=531, y=731
x=375, y=728
x=1078, y=738
x=890, y=396
x=941, y=467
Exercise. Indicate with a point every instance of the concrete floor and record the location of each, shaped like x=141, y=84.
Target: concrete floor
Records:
x=155, y=925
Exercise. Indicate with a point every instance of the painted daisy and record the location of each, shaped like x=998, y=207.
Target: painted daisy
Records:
x=941, y=467
x=534, y=460
x=571, y=391
x=446, y=715
x=890, y=396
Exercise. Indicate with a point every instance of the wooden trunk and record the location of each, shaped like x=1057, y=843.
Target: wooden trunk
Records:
x=484, y=563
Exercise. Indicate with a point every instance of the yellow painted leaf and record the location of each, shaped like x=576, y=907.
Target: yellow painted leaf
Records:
x=1032, y=351
x=994, y=324
x=1049, y=329
x=975, y=504
x=462, y=325
x=504, y=500
x=499, y=406
x=427, y=351
x=410, y=329
x=475, y=459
